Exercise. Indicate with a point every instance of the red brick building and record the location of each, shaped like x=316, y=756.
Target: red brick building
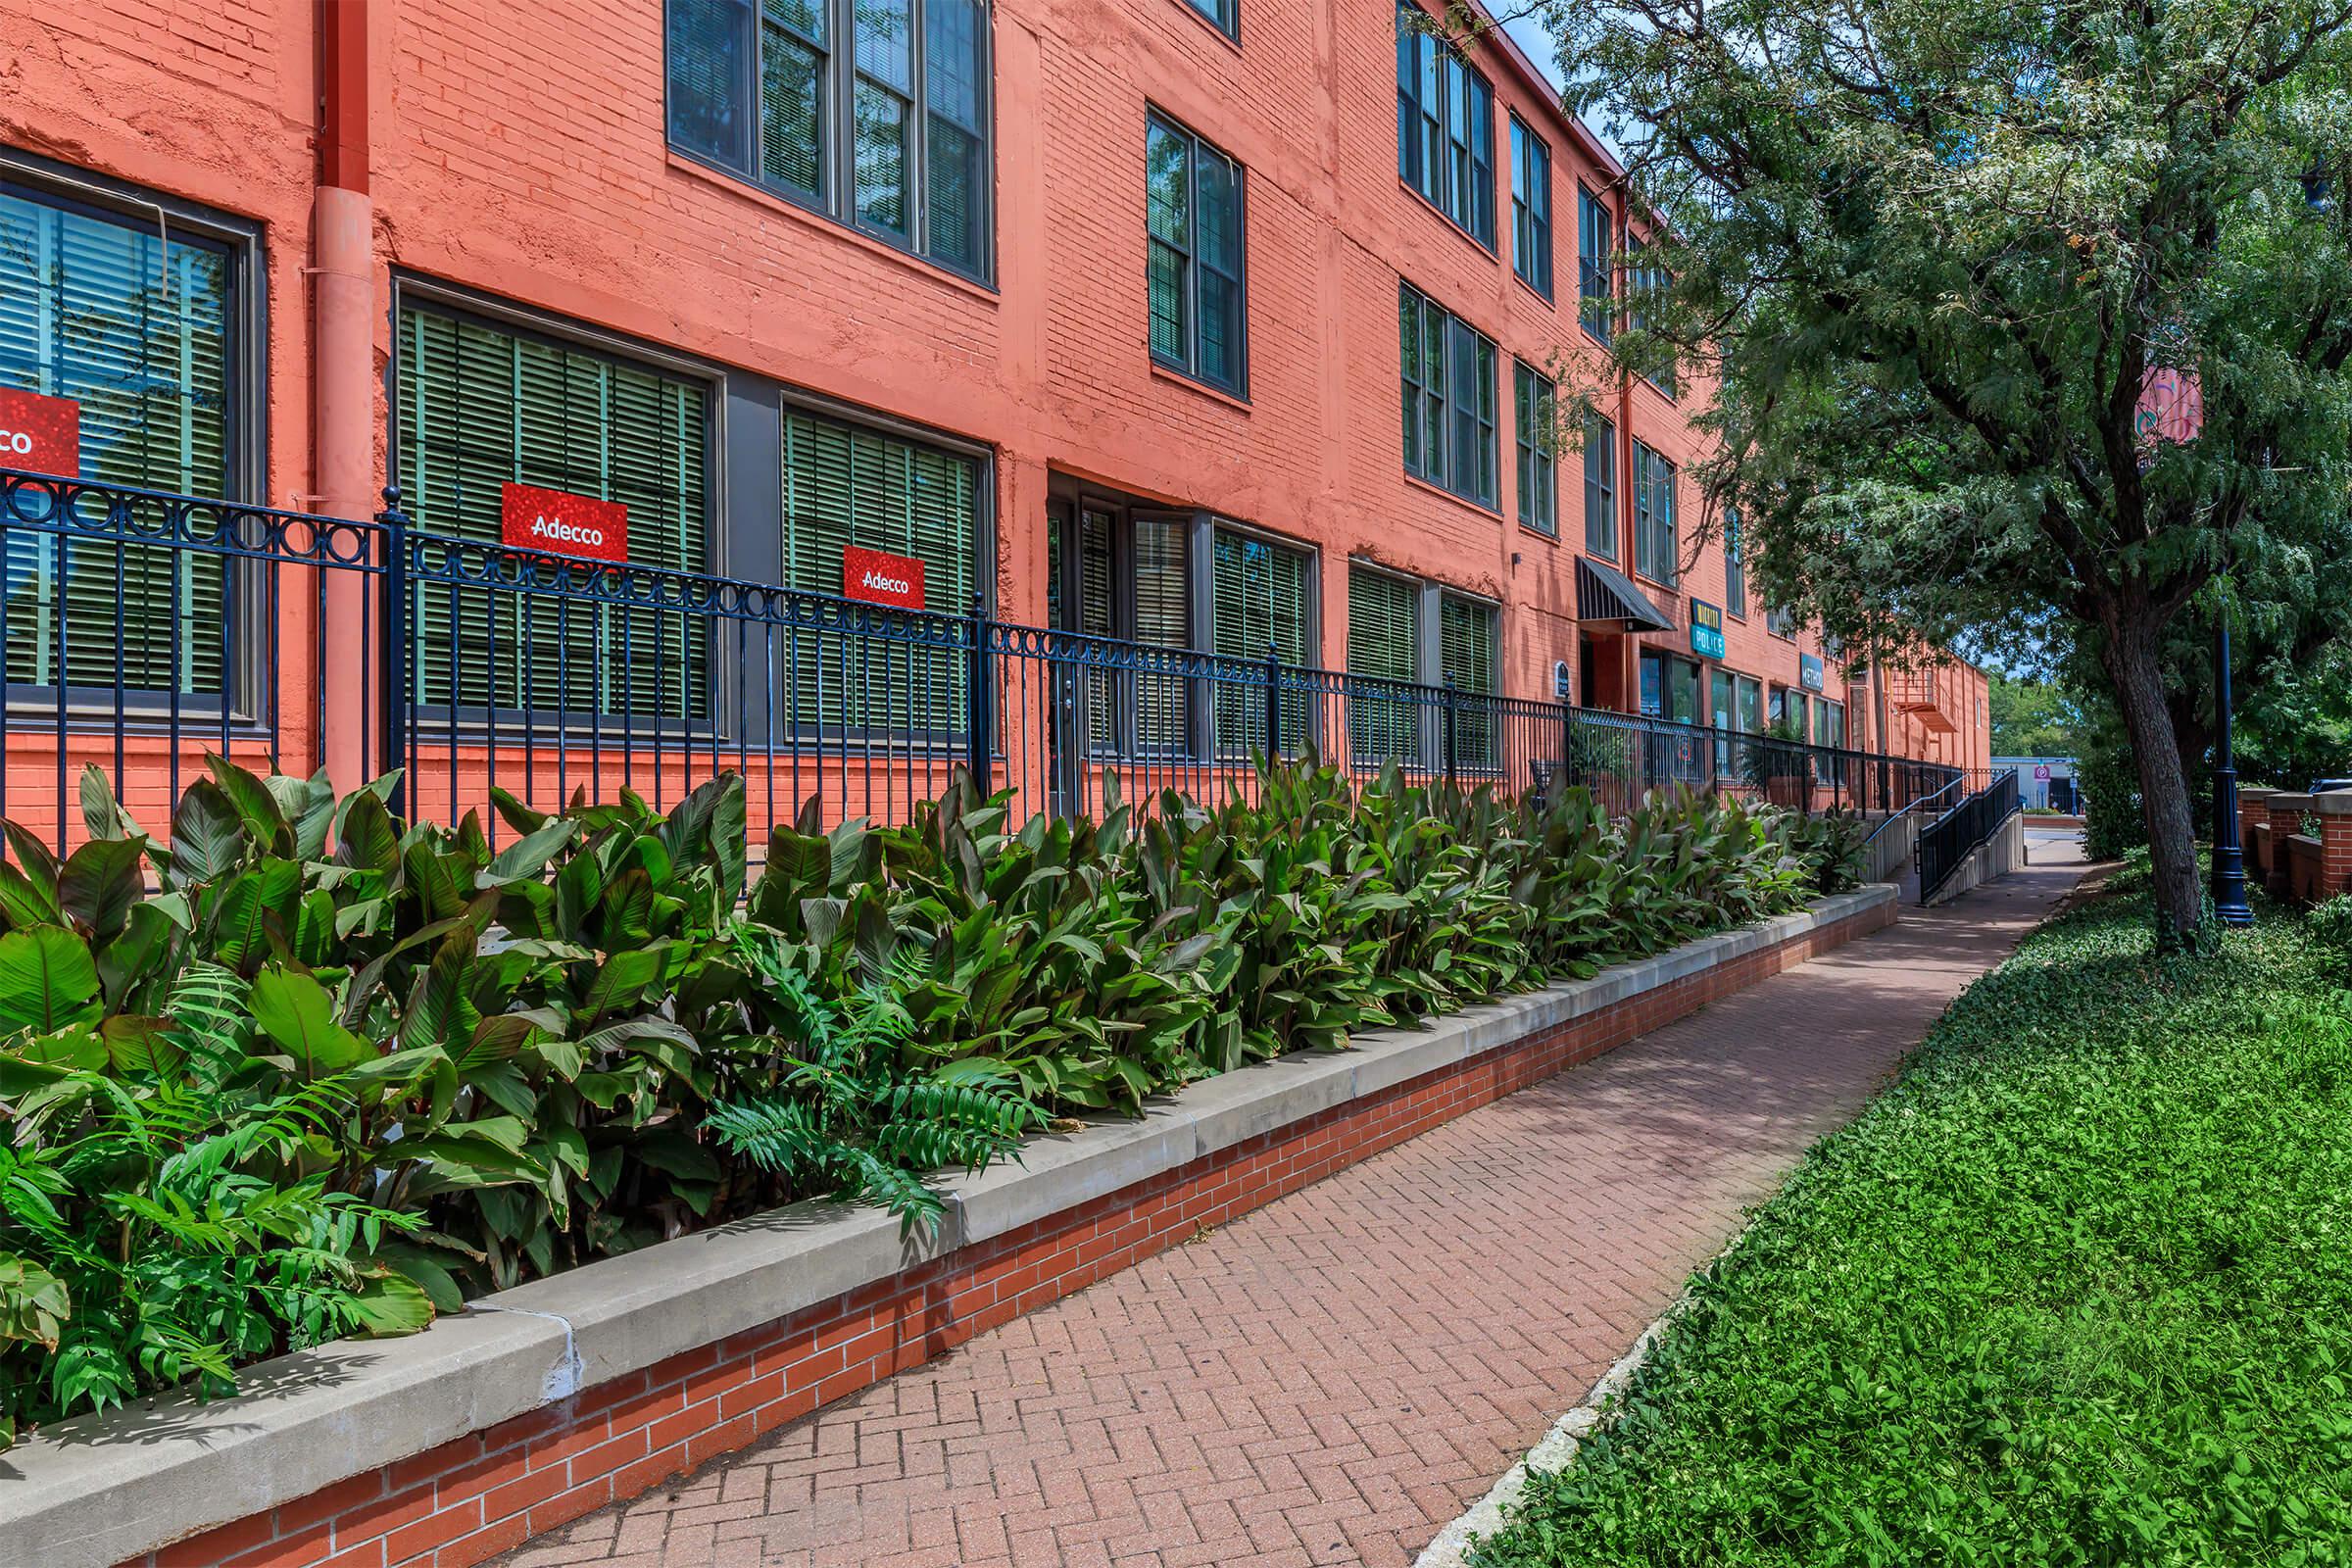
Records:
x=1202, y=323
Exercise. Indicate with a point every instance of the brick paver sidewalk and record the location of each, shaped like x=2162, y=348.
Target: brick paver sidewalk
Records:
x=1334, y=1377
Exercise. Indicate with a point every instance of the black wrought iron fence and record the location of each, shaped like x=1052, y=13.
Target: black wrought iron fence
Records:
x=1947, y=841
x=476, y=671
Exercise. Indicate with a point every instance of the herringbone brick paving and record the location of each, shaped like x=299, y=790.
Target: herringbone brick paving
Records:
x=1332, y=1377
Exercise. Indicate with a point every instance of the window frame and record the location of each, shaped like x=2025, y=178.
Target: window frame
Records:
x=1735, y=567
x=1448, y=404
x=1199, y=145
x=1531, y=262
x=1601, y=441
x=1595, y=224
x=561, y=332
x=249, y=703
x=1645, y=277
x=1538, y=465
x=1443, y=192
x=1652, y=471
x=1225, y=17
x=839, y=76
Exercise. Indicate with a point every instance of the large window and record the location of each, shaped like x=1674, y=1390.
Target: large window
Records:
x=847, y=485
x=1444, y=127
x=873, y=111
x=1644, y=283
x=1449, y=385
x=1531, y=208
x=1657, y=553
x=1259, y=599
x=1194, y=271
x=1669, y=687
x=1601, y=487
x=1467, y=662
x=1111, y=574
x=1595, y=247
x=483, y=406
x=1734, y=566
x=1384, y=653
x=1226, y=14
x=1532, y=400
x=138, y=331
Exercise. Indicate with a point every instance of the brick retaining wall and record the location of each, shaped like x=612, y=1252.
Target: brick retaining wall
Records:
x=464, y=1502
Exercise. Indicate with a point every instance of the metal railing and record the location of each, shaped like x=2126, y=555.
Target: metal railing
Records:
x=144, y=629
x=1947, y=842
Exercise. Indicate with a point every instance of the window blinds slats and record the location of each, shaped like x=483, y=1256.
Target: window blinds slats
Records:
x=1258, y=600
x=1383, y=644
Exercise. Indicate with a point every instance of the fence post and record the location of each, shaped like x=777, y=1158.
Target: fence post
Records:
x=1273, y=706
x=979, y=699
x=393, y=658
x=1453, y=757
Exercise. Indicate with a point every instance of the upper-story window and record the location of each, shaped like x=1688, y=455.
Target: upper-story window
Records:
x=1448, y=379
x=1444, y=127
x=1643, y=282
x=1595, y=243
x=1193, y=200
x=1735, y=567
x=874, y=111
x=1531, y=208
x=1655, y=550
x=1600, y=486
x=1226, y=14
x=1532, y=399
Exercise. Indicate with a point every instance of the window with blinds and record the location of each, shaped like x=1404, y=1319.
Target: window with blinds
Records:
x=1467, y=643
x=483, y=406
x=1531, y=208
x=1595, y=247
x=1655, y=550
x=755, y=87
x=1384, y=656
x=1735, y=567
x=1601, y=487
x=1447, y=374
x=1128, y=712
x=1194, y=274
x=1444, y=127
x=1532, y=398
x=846, y=485
x=138, y=331
x=1259, y=599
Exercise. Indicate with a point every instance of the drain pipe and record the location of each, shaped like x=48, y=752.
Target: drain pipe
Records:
x=343, y=381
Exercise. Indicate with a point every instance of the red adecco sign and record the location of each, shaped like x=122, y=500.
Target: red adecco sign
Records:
x=40, y=433
x=554, y=522
x=880, y=578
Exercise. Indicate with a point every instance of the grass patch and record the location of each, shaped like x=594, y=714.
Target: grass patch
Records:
x=2076, y=1290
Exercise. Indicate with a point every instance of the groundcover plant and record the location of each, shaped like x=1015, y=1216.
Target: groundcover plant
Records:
x=2075, y=1291
x=331, y=1074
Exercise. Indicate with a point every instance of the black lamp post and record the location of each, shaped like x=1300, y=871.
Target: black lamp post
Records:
x=2229, y=858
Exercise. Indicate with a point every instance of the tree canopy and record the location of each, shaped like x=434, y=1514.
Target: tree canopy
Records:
x=1933, y=252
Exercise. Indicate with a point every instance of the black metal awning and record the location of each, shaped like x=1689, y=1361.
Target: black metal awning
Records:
x=1606, y=594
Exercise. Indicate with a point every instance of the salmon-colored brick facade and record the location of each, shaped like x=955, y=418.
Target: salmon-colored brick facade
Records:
x=518, y=153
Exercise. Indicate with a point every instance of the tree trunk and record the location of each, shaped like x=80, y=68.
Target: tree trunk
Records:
x=2134, y=666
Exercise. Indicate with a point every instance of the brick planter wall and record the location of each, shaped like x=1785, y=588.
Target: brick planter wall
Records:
x=459, y=1503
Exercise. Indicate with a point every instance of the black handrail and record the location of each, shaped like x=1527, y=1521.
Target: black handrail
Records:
x=1945, y=842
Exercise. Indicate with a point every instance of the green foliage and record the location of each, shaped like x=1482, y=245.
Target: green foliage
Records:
x=2032, y=717
x=2073, y=1291
x=331, y=1073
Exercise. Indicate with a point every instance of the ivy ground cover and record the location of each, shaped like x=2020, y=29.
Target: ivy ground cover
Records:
x=2076, y=1290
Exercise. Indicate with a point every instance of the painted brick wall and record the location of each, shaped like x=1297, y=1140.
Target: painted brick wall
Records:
x=461, y=1503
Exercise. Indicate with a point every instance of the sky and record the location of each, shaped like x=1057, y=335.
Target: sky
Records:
x=1531, y=35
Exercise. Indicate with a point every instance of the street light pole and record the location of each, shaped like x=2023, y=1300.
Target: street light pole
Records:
x=2229, y=858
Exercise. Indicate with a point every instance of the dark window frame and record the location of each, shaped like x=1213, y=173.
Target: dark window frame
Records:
x=1443, y=399
x=1735, y=567
x=1223, y=15
x=1530, y=228
x=1642, y=276
x=839, y=76
x=1595, y=275
x=250, y=697
x=1535, y=403
x=1432, y=162
x=1199, y=147
x=1602, y=486
x=1654, y=474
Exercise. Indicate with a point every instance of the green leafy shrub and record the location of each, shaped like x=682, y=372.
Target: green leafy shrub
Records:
x=2071, y=1292
x=333, y=1072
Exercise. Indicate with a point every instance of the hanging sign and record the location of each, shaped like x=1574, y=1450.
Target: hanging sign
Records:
x=41, y=434
x=555, y=522
x=1706, y=629
x=880, y=578
x=1809, y=673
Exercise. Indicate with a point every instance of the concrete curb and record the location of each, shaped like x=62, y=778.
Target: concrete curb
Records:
x=96, y=1490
